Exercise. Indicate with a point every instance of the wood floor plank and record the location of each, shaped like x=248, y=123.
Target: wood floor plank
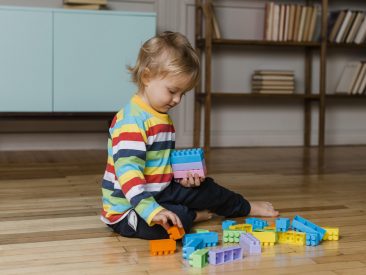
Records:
x=50, y=205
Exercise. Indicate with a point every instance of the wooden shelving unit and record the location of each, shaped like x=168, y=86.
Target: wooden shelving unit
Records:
x=205, y=96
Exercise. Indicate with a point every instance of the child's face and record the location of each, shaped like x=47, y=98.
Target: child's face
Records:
x=162, y=94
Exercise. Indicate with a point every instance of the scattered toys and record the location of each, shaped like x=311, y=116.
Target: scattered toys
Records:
x=175, y=233
x=331, y=233
x=225, y=255
x=250, y=244
x=162, y=247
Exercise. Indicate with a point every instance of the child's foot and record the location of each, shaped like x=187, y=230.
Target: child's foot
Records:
x=203, y=215
x=262, y=208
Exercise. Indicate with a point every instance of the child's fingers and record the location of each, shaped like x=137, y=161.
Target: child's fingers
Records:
x=190, y=180
x=197, y=181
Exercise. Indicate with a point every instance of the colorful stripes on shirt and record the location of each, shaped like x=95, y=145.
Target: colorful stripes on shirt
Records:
x=138, y=167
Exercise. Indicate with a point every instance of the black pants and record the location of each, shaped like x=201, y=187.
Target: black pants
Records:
x=184, y=202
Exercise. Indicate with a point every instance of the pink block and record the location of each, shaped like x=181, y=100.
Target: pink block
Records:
x=183, y=174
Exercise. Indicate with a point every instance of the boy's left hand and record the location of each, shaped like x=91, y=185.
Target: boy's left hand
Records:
x=191, y=180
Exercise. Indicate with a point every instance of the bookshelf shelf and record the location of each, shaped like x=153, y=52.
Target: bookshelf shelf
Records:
x=206, y=35
x=226, y=95
x=232, y=42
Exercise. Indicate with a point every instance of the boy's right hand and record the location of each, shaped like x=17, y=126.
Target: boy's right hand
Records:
x=164, y=216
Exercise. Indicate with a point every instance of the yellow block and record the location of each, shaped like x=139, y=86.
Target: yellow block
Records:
x=331, y=234
x=292, y=237
x=242, y=226
x=266, y=238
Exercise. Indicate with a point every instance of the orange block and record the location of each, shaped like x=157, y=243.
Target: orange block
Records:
x=162, y=247
x=176, y=233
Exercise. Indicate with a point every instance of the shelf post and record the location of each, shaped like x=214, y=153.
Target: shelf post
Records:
x=198, y=88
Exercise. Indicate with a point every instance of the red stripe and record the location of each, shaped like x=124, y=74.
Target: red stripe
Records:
x=114, y=121
x=110, y=168
x=158, y=178
x=112, y=218
x=131, y=183
x=133, y=136
x=159, y=128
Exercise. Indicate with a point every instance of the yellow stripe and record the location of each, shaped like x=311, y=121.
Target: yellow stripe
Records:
x=158, y=170
x=152, y=215
x=130, y=175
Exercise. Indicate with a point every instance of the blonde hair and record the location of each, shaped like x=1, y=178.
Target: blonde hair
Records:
x=168, y=53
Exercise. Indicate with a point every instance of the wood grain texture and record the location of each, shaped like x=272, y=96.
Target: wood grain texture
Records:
x=50, y=204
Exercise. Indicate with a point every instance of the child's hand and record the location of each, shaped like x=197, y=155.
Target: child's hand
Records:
x=164, y=216
x=191, y=181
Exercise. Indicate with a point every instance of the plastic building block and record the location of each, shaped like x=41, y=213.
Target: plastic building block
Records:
x=192, y=246
x=184, y=174
x=250, y=244
x=282, y=224
x=199, y=258
x=266, y=238
x=256, y=223
x=312, y=239
x=175, y=233
x=187, y=155
x=320, y=231
x=270, y=228
x=189, y=166
x=225, y=255
x=162, y=247
x=209, y=238
x=242, y=226
x=232, y=236
x=199, y=230
x=331, y=234
x=227, y=223
x=292, y=237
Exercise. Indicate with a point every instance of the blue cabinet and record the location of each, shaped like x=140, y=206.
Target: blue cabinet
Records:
x=91, y=51
x=69, y=61
x=25, y=60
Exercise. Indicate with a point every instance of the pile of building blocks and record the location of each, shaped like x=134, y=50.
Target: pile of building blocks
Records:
x=248, y=238
x=187, y=161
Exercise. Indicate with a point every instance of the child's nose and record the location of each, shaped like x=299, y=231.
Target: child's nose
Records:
x=176, y=99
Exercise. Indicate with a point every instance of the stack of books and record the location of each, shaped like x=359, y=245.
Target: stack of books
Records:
x=273, y=82
x=353, y=79
x=346, y=26
x=85, y=4
x=292, y=22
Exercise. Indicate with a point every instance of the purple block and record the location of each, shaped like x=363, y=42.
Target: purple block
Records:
x=225, y=255
x=183, y=174
x=189, y=166
x=250, y=244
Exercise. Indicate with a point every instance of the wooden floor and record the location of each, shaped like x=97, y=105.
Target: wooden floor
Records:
x=50, y=204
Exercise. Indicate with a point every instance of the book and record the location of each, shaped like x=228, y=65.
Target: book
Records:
x=274, y=91
x=356, y=25
x=272, y=77
x=348, y=76
x=291, y=23
x=256, y=87
x=273, y=82
x=362, y=87
x=287, y=20
x=361, y=33
x=309, y=11
x=268, y=15
x=82, y=7
x=274, y=72
x=302, y=23
x=313, y=18
x=335, y=21
x=296, y=23
x=359, y=78
x=96, y=2
x=343, y=26
x=276, y=20
x=348, y=27
x=281, y=27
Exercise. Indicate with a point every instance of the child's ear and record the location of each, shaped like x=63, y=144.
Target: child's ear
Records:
x=145, y=76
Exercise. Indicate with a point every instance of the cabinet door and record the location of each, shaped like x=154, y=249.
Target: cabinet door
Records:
x=25, y=60
x=91, y=51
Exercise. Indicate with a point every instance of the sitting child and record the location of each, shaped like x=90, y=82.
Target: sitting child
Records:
x=140, y=196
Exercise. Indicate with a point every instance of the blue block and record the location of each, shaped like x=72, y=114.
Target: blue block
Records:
x=282, y=224
x=187, y=155
x=256, y=223
x=209, y=238
x=312, y=239
x=192, y=246
x=227, y=223
x=318, y=229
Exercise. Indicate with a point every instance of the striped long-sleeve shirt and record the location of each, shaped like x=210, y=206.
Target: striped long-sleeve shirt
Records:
x=138, y=167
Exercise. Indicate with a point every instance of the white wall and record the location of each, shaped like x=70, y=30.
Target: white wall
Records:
x=251, y=123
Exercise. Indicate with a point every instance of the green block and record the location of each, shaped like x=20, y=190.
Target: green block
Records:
x=199, y=258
